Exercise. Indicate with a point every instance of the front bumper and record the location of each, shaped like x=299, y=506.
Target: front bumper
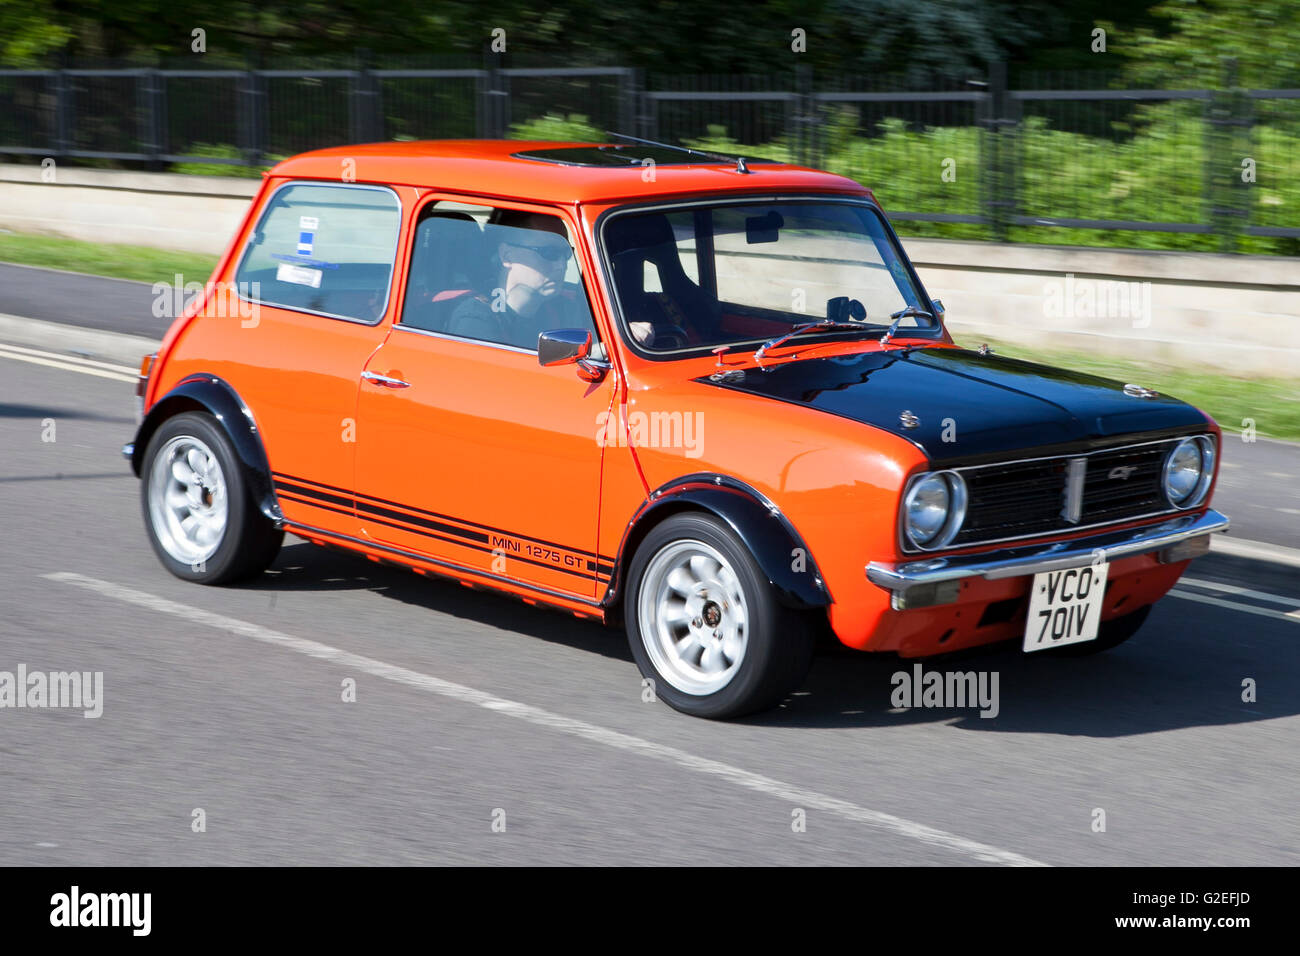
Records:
x=900, y=577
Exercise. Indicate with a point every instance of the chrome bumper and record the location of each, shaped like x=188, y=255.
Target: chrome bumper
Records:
x=1035, y=558
x=128, y=450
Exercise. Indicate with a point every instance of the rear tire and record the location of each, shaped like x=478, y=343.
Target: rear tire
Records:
x=202, y=521
x=704, y=625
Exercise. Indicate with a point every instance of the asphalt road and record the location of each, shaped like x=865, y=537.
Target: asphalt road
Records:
x=472, y=708
x=93, y=302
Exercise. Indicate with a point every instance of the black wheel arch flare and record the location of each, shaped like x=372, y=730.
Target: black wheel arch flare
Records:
x=760, y=525
x=209, y=393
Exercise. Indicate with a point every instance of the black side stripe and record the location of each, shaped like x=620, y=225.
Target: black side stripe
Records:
x=440, y=566
x=584, y=574
x=363, y=501
x=451, y=535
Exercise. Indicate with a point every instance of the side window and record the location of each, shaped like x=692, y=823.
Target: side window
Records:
x=325, y=248
x=502, y=278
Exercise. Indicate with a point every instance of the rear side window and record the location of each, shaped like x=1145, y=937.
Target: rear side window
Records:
x=325, y=248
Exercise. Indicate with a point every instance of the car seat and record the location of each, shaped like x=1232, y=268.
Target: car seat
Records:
x=634, y=240
x=448, y=263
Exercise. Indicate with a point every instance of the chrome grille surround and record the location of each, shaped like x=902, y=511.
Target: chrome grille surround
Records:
x=1027, y=498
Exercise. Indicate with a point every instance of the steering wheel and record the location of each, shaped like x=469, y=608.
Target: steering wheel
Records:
x=669, y=337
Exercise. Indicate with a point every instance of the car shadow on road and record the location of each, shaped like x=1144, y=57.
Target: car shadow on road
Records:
x=1185, y=668
x=10, y=410
x=307, y=567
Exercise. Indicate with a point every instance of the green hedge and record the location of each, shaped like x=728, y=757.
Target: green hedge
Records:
x=1149, y=168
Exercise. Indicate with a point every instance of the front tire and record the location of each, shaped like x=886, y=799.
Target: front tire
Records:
x=202, y=521
x=704, y=625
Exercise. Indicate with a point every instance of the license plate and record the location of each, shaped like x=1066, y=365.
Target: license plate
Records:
x=1065, y=607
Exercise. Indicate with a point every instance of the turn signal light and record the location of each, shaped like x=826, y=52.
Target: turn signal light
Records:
x=1185, y=550
x=926, y=595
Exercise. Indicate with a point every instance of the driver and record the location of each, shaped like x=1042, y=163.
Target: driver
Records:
x=529, y=295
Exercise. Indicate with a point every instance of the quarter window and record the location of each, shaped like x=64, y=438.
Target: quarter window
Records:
x=325, y=248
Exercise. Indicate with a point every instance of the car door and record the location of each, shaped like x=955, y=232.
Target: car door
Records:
x=319, y=264
x=468, y=450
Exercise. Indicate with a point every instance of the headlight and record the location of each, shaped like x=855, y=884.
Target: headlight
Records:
x=1188, y=470
x=934, y=509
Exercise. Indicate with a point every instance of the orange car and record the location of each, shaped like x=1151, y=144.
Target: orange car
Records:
x=705, y=397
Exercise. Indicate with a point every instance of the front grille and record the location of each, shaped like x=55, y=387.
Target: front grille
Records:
x=1124, y=482
x=1007, y=501
x=1022, y=499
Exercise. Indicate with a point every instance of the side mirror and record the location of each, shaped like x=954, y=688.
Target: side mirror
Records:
x=938, y=308
x=570, y=347
x=563, y=346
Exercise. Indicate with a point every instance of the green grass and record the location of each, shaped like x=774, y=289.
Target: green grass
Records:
x=1273, y=403
x=120, y=262
x=220, y=151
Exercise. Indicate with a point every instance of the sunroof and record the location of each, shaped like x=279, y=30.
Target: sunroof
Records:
x=634, y=154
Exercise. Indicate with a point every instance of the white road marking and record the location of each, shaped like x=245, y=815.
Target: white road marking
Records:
x=69, y=363
x=1292, y=616
x=1258, y=550
x=1243, y=592
x=66, y=357
x=544, y=718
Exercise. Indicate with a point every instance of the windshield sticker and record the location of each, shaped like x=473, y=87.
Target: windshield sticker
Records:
x=298, y=275
x=303, y=261
x=307, y=226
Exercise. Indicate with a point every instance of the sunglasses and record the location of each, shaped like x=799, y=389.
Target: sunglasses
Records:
x=550, y=251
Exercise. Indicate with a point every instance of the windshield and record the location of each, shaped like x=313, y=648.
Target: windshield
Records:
x=743, y=273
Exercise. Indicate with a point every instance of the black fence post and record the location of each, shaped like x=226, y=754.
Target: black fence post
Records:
x=62, y=112
x=252, y=107
x=1244, y=207
x=1228, y=113
x=999, y=169
x=627, y=101
x=152, y=118
x=806, y=117
x=494, y=112
x=647, y=119
x=365, y=115
x=361, y=106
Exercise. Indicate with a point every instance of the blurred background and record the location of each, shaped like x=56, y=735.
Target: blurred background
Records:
x=992, y=133
x=1108, y=123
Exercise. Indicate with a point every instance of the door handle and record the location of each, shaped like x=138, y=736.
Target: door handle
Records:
x=384, y=380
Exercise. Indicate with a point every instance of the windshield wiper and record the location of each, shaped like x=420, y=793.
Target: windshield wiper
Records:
x=800, y=329
x=899, y=316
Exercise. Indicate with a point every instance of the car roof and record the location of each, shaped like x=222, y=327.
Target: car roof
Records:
x=488, y=167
